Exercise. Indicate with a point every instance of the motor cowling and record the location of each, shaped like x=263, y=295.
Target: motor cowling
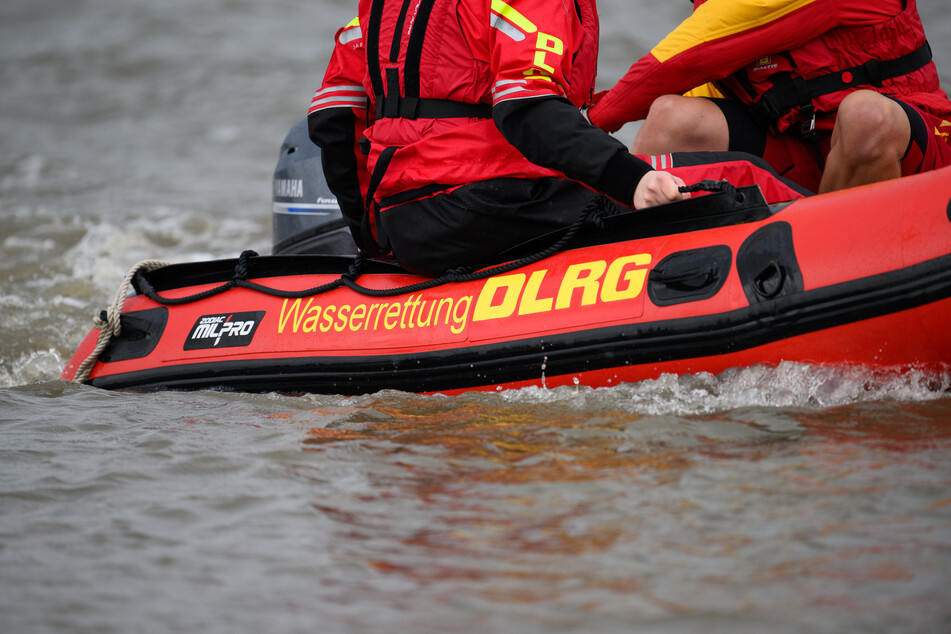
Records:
x=306, y=216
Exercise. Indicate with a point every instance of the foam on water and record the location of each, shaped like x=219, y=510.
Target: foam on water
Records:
x=786, y=385
x=25, y=174
x=61, y=268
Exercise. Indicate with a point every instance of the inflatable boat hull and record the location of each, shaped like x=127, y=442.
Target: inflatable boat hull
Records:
x=859, y=277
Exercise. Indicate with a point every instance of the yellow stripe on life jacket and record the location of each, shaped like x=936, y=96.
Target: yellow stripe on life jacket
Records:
x=717, y=19
x=513, y=16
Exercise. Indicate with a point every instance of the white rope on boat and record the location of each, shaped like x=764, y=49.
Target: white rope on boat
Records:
x=111, y=327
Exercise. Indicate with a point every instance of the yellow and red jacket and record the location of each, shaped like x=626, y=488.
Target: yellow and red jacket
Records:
x=780, y=56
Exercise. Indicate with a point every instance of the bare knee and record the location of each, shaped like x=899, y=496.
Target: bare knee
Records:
x=869, y=140
x=682, y=124
x=870, y=126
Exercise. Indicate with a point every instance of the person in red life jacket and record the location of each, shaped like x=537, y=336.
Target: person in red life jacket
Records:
x=338, y=116
x=833, y=93
x=457, y=124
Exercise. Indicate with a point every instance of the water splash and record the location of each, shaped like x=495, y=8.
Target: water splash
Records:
x=786, y=385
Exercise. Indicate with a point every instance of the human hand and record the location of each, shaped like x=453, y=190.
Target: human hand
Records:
x=658, y=188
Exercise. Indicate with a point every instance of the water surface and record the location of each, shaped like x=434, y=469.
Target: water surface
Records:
x=790, y=499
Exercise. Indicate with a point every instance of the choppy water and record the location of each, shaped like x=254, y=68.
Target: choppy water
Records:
x=794, y=499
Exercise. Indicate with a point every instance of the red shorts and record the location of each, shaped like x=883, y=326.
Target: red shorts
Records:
x=930, y=146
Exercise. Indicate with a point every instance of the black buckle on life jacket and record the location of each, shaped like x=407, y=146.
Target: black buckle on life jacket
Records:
x=807, y=131
x=766, y=111
x=807, y=114
x=873, y=72
x=775, y=103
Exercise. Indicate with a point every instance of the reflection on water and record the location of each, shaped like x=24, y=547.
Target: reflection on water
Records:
x=661, y=507
x=794, y=516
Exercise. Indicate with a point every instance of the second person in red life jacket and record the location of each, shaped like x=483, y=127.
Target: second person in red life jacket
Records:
x=832, y=93
x=457, y=125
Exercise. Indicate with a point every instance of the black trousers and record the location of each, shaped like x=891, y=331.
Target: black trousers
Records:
x=473, y=224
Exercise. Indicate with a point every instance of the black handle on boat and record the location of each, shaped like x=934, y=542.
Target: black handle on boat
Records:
x=709, y=185
x=688, y=280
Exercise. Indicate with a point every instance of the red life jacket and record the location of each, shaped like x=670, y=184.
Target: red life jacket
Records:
x=891, y=57
x=431, y=85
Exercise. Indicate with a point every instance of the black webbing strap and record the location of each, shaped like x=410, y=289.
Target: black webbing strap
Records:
x=373, y=47
x=389, y=107
x=414, y=108
x=790, y=92
x=414, y=50
x=400, y=22
x=391, y=102
x=375, y=244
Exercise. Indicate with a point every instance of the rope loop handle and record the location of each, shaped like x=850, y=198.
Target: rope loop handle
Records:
x=242, y=269
x=108, y=323
x=356, y=269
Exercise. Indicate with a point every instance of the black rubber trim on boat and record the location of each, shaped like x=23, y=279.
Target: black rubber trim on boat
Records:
x=141, y=332
x=689, y=276
x=766, y=263
x=188, y=274
x=596, y=349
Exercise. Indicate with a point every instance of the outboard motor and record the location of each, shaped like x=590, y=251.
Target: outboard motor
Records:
x=306, y=216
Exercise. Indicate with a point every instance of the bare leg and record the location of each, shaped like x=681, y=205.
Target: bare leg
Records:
x=869, y=139
x=682, y=124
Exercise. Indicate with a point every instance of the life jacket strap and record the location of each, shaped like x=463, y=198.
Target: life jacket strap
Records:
x=790, y=92
x=416, y=108
x=375, y=243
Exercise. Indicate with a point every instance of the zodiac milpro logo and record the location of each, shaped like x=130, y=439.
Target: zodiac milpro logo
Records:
x=230, y=330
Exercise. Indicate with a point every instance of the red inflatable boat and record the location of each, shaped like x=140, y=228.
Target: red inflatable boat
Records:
x=858, y=277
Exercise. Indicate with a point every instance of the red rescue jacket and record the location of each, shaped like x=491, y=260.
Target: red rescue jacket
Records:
x=782, y=55
x=436, y=68
x=891, y=57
